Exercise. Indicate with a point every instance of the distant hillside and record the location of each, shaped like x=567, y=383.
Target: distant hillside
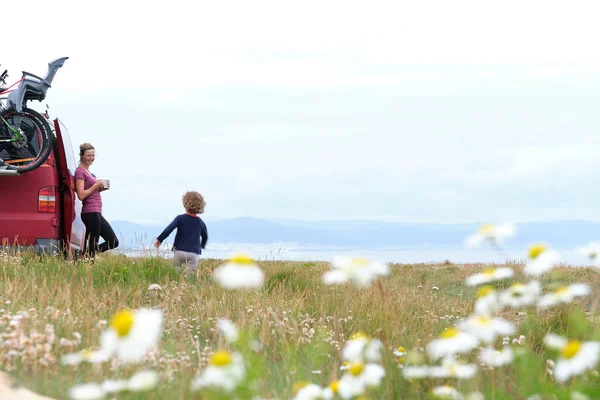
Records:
x=366, y=233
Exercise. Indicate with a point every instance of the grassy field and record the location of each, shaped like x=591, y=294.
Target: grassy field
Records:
x=300, y=324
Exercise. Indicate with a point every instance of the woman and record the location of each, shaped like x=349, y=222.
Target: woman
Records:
x=88, y=190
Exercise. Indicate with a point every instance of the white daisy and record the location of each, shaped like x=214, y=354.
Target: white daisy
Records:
x=239, y=272
x=87, y=355
x=490, y=275
x=591, y=251
x=224, y=373
x=541, y=259
x=492, y=233
x=554, y=341
x=228, y=329
x=307, y=391
x=451, y=342
x=362, y=348
x=575, y=395
x=565, y=294
x=114, y=385
x=142, y=381
x=131, y=334
x=496, y=358
x=358, y=271
x=446, y=393
x=86, y=391
x=415, y=372
x=331, y=391
x=488, y=301
x=487, y=329
x=520, y=294
x=475, y=396
x=359, y=378
x=450, y=368
x=575, y=358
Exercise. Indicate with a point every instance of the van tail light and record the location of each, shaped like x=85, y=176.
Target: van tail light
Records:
x=47, y=200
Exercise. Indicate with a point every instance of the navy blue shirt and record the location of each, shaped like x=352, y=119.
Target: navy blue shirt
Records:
x=191, y=233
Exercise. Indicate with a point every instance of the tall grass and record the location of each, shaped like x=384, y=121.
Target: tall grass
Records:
x=300, y=324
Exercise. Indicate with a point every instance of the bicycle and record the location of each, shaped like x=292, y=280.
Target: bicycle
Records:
x=26, y=137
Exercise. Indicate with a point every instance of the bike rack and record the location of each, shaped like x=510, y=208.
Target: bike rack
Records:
x=8, y=172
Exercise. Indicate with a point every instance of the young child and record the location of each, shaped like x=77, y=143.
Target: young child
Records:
x=191, y=236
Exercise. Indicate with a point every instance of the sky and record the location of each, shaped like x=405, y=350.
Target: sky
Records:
x=429, y=111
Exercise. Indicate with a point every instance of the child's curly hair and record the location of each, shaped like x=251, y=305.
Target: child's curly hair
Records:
x=193, y=202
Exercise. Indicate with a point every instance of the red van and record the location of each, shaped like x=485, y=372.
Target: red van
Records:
x=40, y=209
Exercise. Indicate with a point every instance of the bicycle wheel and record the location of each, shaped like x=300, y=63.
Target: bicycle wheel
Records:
x=33, y=145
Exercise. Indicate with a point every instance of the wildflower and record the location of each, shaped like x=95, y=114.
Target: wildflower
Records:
x=415, y=371
x=575, y=395
x=451, y=342
x=142, y=381
x=362, y=348
x=131, y=334
x=91, y=356
x=228, y=329
x=359, y=377
x=591, y=251
x=86, y=391
x=307, y=391
x=485, y=328
x=114, y=386
x=496, y=358
x=225, y=372
x=475, y=396
x=541, y=259
x=331, y=391
x=400, y=354
x=519, y=294
x=487, y=301
x=154, y=289
x=492, y=233
x=490, y=275
x=446, y=393
x=575, y=358
x=450, y=368
x=359, y=271
x=565, y=294
x=240, y=272
x=554, y=341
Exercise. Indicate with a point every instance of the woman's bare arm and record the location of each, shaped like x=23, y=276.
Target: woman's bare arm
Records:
x=85, y=193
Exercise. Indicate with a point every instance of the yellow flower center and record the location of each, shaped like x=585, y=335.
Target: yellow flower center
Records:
x=484, y=291
x=122, y=322
x=220, y=358
x=449, y=333
x=357, y=368
x=562, y=290
x=487, y=229
x=359, y=335
x=359, y=262
x=401, y=360
x=242, y=259
x=483, y=320
x=571, y=349
x=87, y=354
x=535, y=250
x=400, y=349
x=334, y=386
x=299, y=386
x=489, y=271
